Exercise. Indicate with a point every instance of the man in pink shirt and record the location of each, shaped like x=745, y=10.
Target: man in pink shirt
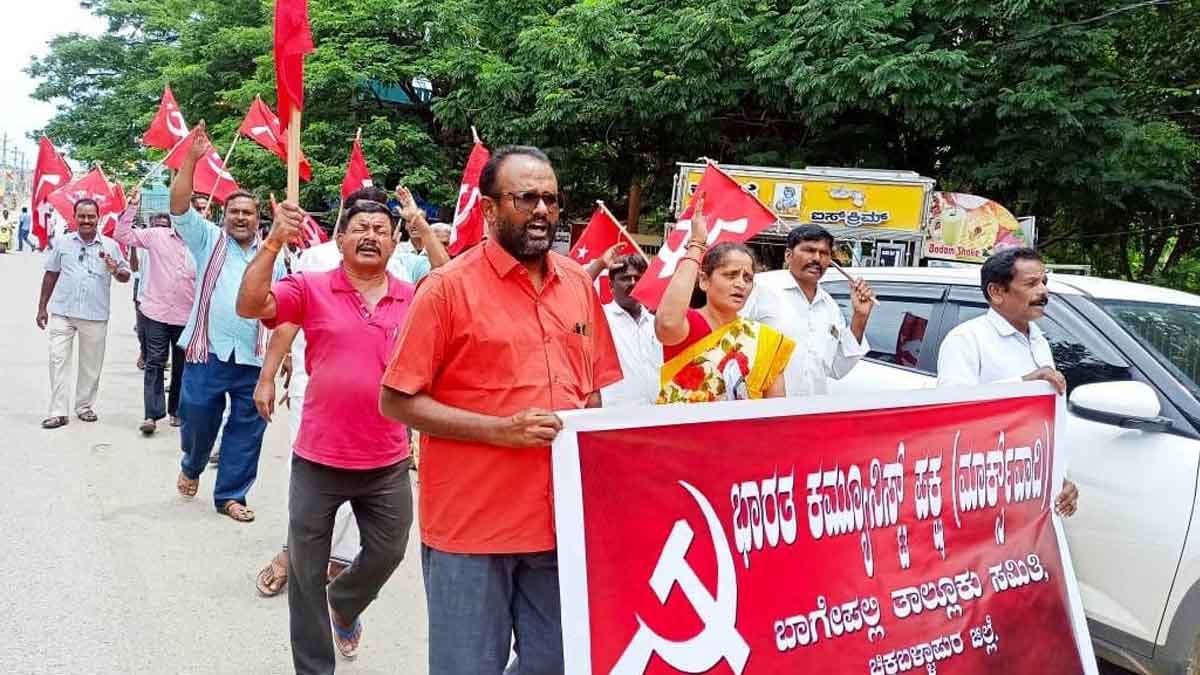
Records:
x=168, y=287
x=346, y=450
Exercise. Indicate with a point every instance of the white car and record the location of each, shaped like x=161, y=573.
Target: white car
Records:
x=1131, y=356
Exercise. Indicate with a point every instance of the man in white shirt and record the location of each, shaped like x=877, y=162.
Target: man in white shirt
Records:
x=1005, y=345
x=792, y=302
x=632, y=325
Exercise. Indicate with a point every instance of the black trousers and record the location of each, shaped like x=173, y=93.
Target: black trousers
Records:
x=382, y=503
x=161, y=339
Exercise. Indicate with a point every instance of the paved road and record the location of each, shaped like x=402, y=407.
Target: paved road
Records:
x=107, y=569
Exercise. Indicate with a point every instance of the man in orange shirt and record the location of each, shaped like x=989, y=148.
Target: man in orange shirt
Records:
x=501, y=337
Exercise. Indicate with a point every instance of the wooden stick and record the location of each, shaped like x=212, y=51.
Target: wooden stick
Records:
x=293, y=157
x=342, y=203
x=337, y=223
x=836, y=266
x=600, y=203
x=224, y=159
x=475, y=135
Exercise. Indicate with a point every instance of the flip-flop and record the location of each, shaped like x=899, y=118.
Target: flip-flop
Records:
x=186, y=486
x=87, y=416
x=54, y=422
x=242, y=514
x=269, y=582
x=347, y=640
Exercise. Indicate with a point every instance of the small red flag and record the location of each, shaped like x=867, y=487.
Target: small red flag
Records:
x=293, y=40
x=358, y=176
x=92, y=186
x=50, y=173
x=168, y=127
x=116, y=208
x=602, y=233
x=468, y=213
x=261, y=125
x=210, y=174
x=733, y=215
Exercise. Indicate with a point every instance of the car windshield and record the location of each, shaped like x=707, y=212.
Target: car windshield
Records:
x=1170, y=332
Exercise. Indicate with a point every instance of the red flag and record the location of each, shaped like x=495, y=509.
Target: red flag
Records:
x=262, y=126
x=602, y=233
x=92, y=186
x=313, y=232
x=358, y=176
x=293, y=39
x=468, y=213
x=168, y=127
x=51, y=173
x=116, y=208
x=211, y=177
x=733, y=215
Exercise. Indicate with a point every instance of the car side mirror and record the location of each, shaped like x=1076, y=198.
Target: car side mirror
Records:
x=1130, y=405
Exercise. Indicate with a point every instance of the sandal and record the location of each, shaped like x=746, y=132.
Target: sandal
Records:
x=87, y=416
x=237, y=511
x=271, y=580
x=54, y=422
x=347, y=640
x=186, y=486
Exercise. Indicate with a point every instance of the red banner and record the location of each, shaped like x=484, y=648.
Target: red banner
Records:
x=819, y=536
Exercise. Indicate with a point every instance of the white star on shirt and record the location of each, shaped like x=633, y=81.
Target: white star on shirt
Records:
x=582, y=252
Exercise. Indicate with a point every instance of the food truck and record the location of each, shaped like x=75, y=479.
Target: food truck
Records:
x=877, y=217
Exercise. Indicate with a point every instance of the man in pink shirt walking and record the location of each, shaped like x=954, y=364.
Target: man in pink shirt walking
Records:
x=168, y=288
x=346, y=450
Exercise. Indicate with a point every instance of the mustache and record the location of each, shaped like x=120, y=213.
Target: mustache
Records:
x=368, y=246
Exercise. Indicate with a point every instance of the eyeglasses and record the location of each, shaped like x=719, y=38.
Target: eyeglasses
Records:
x=527, y=202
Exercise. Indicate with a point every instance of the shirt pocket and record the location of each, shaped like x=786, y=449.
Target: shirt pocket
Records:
x=577, y=378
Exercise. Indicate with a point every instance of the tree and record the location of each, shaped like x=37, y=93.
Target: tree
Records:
x=1080, y=112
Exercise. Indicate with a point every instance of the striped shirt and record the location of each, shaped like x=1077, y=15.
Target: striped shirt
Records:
x=84, y=282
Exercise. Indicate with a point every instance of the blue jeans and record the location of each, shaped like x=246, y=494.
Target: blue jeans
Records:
x=478, y=603
x=201, y=407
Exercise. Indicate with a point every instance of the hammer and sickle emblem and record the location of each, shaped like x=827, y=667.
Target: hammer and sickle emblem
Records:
x=176, y=125
x=264, y=131
x=719, y=640
x=465, y=205
x=672, y=256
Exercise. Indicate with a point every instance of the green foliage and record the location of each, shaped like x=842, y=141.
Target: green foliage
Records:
x=1085, y=113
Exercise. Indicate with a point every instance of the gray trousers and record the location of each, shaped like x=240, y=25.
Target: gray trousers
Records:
x=479, y=605
x=382, y=503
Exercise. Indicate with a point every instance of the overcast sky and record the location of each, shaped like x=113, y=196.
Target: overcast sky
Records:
x=26, y=28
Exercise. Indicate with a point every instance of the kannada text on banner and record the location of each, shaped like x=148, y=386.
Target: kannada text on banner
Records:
x=909, y=538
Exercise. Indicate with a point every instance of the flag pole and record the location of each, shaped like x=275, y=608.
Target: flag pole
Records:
x=475, y=135
x=342, y=203
x=159, y=164
x=225, y=159
x=600, y=203
x=293, y=156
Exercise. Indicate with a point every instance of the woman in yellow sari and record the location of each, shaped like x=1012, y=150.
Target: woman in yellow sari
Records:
x=712, y=354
